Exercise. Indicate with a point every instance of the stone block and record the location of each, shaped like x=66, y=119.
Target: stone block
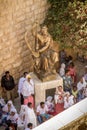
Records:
x=20, y=38
x=16, y=45
x=4, y=39
x=20, y=32
x=8, y=43
x=19, y=51
x=17, y=64
x=7, y=67
x=29, y=2
x=43, y=3
x=41, y=87
x=6, y=56
x=25, y=53
x=0, y=47
x=27, y=59
x=20, y=19
x=12, y=35
x=1, y=59
x=28, y=9
x=1, y=33
x=13, y=41
x=18, y=26
x=18, y=12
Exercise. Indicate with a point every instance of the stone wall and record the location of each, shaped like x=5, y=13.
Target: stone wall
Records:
x=16, y=17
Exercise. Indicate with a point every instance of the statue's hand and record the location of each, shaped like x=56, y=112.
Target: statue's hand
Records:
x=40, y=51
x=36, y=54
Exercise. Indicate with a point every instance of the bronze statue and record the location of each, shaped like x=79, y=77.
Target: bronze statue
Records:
x=45, y=54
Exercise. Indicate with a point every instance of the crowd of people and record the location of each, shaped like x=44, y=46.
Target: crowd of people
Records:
x=29, y=116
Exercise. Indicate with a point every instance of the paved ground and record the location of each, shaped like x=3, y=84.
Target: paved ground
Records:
x=80, y=72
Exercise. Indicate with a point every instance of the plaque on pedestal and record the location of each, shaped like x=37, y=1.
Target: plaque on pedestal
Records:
x=42, y=87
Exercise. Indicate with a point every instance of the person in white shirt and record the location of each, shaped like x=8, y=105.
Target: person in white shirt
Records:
x=28, y=90
x=68, y=100
x=22, y=112
x=50, y=104
x=20, y=85
x=42, y=113
x=59, y=95
x=6, y=111
x=21, y=119
x=81, y=84
x=59, y=99
x=7, y=108
x=13, y=118
x=29, y=126
x=62, y=70
x=80, y=87
x=30, y=116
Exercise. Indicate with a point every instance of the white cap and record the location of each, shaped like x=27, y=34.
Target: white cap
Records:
x=13, y=110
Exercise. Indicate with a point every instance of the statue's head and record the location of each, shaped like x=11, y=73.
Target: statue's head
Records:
x=44, y=30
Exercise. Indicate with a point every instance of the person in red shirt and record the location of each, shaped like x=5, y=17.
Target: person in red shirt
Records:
x=72, y=71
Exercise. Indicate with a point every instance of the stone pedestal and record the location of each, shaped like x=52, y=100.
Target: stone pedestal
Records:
x=41, y=87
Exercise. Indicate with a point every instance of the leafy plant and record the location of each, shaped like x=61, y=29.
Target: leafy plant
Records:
x=67, y=23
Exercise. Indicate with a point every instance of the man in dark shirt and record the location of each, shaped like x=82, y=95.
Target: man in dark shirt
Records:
x=7, y=82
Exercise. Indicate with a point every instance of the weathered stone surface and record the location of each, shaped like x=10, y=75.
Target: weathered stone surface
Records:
x=16, y=17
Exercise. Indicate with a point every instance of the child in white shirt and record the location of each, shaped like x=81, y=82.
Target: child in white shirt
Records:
x=68, y=100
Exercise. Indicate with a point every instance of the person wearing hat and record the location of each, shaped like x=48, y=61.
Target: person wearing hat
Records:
x=28, y=90
x=12, y=119
x=6, y=111
x=7, y=108
x=50, y=104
